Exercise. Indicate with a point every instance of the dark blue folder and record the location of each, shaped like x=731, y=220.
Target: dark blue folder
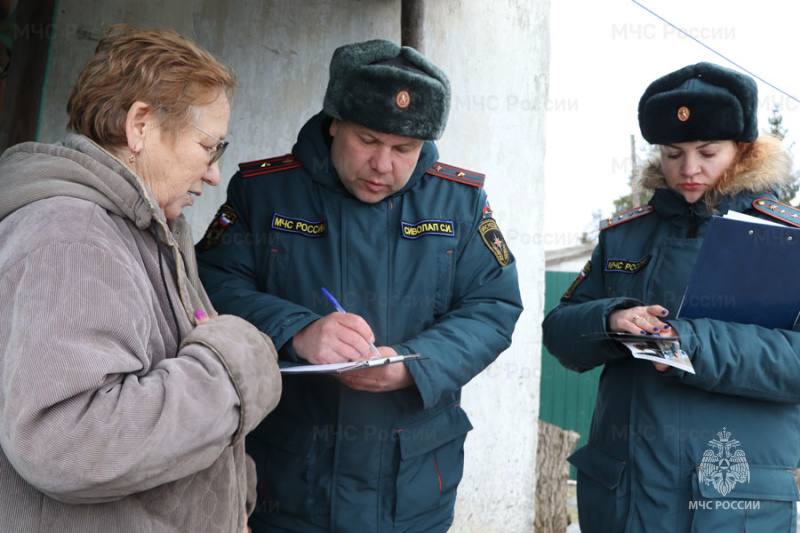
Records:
x=746, y=272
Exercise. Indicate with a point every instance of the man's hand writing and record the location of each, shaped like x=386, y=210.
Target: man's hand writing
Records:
x=335, y=338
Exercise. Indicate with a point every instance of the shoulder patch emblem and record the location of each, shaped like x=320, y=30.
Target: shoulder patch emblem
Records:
x=224, y=218
x=784, y=213
x=581, y=276
x=415, y=230
x=626, y=216
x=487, y=210
x=299, y=225
x=268, y=166
x=494, y=241
x=460, y=175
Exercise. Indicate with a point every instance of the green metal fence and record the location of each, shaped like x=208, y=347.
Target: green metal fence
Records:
x=567, y=398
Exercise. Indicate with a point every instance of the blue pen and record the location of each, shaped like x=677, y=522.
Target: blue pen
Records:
x=339, y=308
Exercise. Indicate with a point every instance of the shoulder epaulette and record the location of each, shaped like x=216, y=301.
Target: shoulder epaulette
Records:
x=268, y=166
x=460, y=175
x=626, y=216
x=776, y=209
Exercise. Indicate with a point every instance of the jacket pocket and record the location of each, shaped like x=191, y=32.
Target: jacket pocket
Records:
x=765, y=502
x=283, y=456
x=431, y=463
x=602, y=496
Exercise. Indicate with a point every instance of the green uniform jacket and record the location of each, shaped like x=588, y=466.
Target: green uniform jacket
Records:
x=642, y=469
x=417, y=269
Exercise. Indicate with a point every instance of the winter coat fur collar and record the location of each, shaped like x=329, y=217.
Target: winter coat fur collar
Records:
x=770, y=172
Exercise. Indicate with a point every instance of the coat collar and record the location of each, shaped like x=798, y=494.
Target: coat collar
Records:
x=79, y=168
x=76, y=167
x=768, y=178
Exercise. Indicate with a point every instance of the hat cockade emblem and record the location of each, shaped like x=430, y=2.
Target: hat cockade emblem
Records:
x=403, y=99
x=683, y=114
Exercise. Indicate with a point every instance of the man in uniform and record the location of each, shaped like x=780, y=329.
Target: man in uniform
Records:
x=408, y=246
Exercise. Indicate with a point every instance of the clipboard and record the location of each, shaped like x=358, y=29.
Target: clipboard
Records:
x=339, y=368
x=746, y=272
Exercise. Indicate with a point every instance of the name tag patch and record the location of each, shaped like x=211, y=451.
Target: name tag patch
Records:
x=628, y=267
x=428, y=227
x=299, y=225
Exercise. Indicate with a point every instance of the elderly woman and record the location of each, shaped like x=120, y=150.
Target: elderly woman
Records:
x=670, y=451
x=123, y=407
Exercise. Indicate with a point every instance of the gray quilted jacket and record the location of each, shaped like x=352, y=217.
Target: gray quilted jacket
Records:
x=117, y=413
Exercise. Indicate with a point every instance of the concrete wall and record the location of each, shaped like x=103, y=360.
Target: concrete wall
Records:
x=497, y=56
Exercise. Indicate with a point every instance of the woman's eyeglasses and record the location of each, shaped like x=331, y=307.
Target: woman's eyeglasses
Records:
x=218, y=150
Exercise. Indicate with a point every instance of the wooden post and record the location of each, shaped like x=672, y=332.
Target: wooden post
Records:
x=412, y=23
x=552, y=472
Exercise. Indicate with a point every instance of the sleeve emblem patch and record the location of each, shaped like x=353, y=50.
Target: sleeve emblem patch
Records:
x=224, y=219
x=494, y=241
x=581, y=276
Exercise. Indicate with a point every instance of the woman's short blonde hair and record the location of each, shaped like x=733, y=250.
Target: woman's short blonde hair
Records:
x=158, y=67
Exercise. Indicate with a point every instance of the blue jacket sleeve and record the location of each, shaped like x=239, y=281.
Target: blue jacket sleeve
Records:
x=486, y=304
x=741, y=359
x=229, y=274
x=573, y=331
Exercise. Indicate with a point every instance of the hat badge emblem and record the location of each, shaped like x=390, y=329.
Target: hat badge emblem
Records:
x=683, y=114
x=403, y=99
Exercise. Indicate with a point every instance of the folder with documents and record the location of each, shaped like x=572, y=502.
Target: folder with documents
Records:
x=747, y=271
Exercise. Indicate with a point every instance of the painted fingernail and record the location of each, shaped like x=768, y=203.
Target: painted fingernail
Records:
x=664, y=312
x=666, y=327
x=200, y=314
x=643, y=332
x=655, y=329
x=656, y=335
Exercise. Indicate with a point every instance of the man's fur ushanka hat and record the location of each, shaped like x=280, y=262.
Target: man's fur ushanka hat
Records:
x=702, y=102
x=388, y=89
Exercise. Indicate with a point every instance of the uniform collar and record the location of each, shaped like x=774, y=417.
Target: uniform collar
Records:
x=672, y=205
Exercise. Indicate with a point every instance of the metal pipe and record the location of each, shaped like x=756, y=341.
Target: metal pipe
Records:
x=412, y=24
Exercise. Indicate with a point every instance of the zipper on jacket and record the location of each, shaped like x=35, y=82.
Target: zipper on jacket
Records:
x=694, y=222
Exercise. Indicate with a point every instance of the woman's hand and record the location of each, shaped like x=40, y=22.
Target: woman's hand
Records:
x=200, y=317
x=642, y=320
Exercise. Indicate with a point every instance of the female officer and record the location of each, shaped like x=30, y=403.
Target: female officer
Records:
x=671, y=451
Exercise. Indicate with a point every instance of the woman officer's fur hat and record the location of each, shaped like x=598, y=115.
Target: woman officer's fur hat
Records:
x=389, y=89
x=702, y=102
